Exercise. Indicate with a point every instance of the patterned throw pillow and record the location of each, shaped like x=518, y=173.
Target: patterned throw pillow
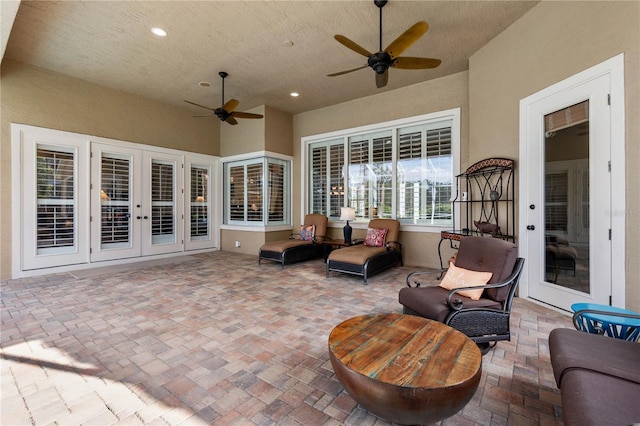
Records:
x=307, y=232
x=459, y=277
x=375, y=237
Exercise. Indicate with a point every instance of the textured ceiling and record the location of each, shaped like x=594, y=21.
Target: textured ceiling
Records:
x=110, y=43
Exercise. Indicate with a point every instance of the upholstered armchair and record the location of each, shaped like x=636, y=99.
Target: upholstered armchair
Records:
x=371, y=255
x=480, y=311
x=298, y=247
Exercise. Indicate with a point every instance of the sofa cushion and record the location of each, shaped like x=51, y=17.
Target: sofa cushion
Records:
x=307, y=232
x=431, y=301
x=591, y=398
x=572, y=349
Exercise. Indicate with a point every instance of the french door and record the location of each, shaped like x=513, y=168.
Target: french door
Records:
x=567, y=195
x=136, y=207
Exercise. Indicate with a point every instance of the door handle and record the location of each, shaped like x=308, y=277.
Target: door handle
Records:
x=531, y=227
x=146, y=217
x=138, y=217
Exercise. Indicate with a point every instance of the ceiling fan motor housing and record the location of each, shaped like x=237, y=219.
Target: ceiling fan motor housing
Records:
x=380, y=62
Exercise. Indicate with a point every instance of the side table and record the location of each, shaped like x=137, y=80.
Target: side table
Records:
x=602, y=319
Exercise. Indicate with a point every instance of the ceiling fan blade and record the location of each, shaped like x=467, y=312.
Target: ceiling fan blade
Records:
x=381, y=79
x=406, y=39
x=240, y=114
x=409, y=63
x=231, y=120
x=201, y=106
x=352, y=45
x=205, y=115
x=346, y=72
x=231, y=105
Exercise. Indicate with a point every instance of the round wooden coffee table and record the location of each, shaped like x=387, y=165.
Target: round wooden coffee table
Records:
x=403, y=368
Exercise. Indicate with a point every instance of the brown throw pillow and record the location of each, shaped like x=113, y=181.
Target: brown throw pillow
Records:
x=459, y=278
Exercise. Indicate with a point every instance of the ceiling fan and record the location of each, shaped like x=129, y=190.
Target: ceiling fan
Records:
x=227, y=111
x=390, y=57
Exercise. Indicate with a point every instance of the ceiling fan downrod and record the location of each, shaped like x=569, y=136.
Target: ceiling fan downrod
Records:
x=380, y=4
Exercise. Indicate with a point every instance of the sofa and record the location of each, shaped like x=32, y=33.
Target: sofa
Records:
x=598, y=377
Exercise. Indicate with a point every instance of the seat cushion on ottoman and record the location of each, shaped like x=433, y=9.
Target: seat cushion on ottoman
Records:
x=591, y=398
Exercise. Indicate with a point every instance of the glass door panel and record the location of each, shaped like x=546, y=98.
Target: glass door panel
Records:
x=566, y=205
x=116, y=213
x=162, y=212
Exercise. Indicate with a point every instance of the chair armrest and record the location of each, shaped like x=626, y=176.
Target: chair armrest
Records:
x=357, y=241
x=319, y=239
x=393, y=245
x=411, y=277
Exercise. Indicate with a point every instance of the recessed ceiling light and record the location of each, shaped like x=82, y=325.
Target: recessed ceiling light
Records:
x=294, y=94
x=159, y=32
x=204, y=84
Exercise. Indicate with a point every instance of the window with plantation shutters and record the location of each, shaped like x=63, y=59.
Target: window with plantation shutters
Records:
x=115, y=204
x=337, y=183
x=56, y=201
x=275, y=192
x=199, y=196
x=318, y=180
x=401, y=171
x=254, y=192
x=257, y=192
x=162, y=202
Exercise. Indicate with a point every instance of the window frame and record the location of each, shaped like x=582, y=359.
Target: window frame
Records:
x=264, y=159
x=394, y=126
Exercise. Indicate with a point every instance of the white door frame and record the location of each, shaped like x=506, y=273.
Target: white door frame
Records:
x=614, y=69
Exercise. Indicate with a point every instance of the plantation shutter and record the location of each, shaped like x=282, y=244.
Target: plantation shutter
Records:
x=162, y=202
x=56, y=201
x=115, y=190
x=199, y=207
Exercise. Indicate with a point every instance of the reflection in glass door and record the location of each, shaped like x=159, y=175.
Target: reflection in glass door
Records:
x=566, y=197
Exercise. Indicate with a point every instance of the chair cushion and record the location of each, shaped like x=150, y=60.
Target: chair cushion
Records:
x=282, y=245
x=489, y=254
x=590, y=398
x=375, y=237
x=357, y=255
x=431, y=302
x=391, y=225
x=320, y=222
x=459, y=278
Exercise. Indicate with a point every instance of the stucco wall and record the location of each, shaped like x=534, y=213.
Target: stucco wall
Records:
x=42, y=98
x=422, y=98
x=551, y=42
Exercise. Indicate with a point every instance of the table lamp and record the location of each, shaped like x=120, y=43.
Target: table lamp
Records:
x=347, y=213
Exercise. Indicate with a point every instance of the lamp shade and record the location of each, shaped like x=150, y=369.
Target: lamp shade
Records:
x=347, y=213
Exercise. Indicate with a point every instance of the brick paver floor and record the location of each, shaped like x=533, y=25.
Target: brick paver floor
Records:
x=218, y=339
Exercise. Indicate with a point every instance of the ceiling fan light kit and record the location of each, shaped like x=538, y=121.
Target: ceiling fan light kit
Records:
x=390, y=57
x=226, y=112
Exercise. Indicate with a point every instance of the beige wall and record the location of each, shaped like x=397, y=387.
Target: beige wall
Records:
x=38, y=97
x=548, y=44
x=245, y=138
x=278, y=131
x=449, y=92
